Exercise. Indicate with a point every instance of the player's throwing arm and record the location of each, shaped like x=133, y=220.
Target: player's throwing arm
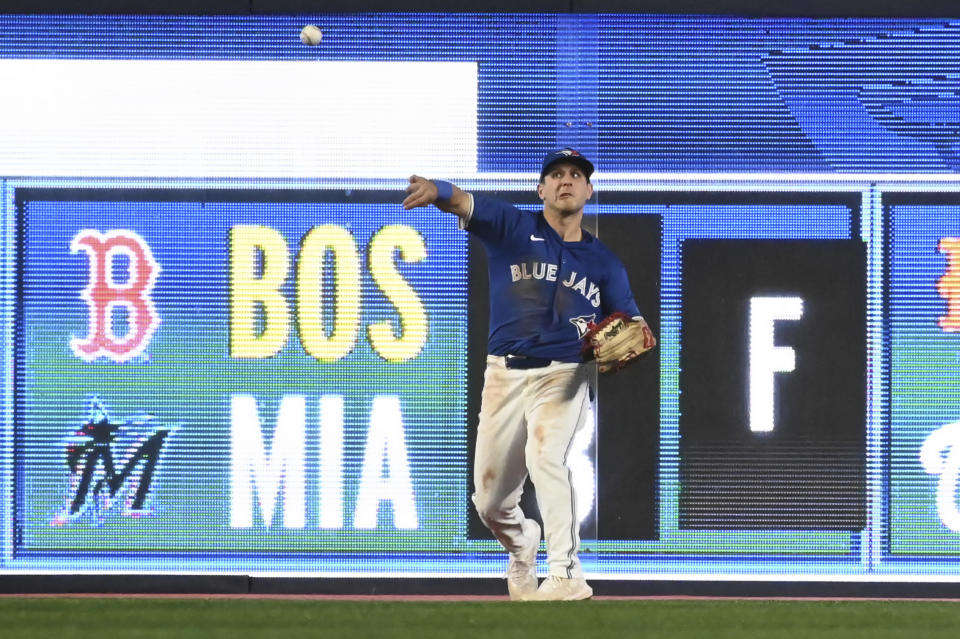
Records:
x=443, y=195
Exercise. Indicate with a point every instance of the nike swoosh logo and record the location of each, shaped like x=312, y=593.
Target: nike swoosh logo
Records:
x=534, y=238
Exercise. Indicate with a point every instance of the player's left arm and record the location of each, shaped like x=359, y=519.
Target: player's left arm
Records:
x=616, y=295
x=623, y=335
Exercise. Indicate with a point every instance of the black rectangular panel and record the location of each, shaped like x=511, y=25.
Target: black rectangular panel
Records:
x=807, y=470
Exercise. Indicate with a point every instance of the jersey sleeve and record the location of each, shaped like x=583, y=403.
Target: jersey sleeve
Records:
x=493, y=220
x=617, y=295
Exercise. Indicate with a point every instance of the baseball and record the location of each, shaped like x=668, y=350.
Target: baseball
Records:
x=311, y=34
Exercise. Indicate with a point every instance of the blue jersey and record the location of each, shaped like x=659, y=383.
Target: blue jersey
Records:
x=544, y=291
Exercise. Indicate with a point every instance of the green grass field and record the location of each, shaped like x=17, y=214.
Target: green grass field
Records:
x=120, y=618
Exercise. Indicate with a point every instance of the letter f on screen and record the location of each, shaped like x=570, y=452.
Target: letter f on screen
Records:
x=766, y=358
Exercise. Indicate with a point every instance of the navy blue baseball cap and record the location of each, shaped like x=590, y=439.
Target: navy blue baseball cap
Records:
x=566, y=155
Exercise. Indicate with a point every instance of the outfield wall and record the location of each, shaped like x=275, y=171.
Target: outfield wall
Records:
x=227, y=349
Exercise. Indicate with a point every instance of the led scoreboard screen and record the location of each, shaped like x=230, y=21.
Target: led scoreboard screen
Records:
x=255, y=366
x=228, y=349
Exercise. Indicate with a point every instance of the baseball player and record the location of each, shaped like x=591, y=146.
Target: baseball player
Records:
x=550, y=283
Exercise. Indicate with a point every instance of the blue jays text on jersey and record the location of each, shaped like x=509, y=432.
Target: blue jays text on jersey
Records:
x=544, y=291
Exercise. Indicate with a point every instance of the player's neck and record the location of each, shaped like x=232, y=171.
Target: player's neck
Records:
x=567, y=226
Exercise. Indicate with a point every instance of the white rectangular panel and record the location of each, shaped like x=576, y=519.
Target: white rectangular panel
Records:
x=190, y=118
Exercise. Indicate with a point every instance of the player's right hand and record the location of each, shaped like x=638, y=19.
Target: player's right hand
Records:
x=421, y=192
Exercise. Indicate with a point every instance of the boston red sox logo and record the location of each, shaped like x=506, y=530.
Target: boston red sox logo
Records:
x=103, y=295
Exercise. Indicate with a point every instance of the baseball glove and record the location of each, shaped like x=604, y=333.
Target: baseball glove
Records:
x=617, y=341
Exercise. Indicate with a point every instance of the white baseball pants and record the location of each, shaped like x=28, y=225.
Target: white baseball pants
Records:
x=528, y=419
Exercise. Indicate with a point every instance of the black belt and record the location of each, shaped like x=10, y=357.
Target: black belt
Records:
x=523, y=362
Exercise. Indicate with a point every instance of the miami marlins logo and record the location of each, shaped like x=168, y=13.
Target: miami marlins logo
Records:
x=583, y=323
x=97, y=480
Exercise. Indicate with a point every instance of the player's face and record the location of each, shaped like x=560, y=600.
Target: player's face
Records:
x=565, y=189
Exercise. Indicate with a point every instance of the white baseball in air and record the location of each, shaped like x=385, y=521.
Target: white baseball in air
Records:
x=311, y=34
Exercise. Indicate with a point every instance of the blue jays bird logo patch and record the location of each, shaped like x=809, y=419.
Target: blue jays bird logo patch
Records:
x=583, y=323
